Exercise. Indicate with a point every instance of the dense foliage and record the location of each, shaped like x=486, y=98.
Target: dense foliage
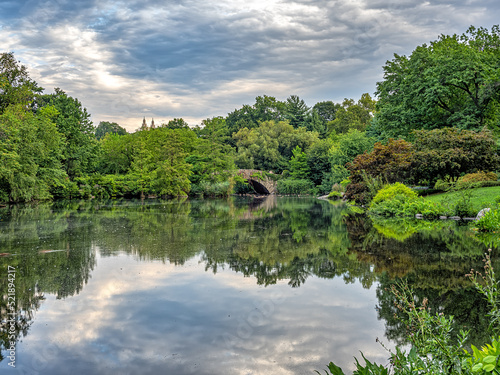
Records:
x=436, y=120
x=452, y=82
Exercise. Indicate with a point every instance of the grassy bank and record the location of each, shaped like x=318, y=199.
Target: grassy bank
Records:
x=479, y=198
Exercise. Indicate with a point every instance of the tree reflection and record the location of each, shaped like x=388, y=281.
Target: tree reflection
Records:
x=53, y=248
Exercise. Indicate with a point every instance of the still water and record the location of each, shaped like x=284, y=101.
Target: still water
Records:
x=236, y=286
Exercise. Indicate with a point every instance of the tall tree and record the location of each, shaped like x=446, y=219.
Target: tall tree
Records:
x=270, y=146
x=299, y=169
x=16, y=87
x=266, y=108
x=30, y=154
x=81, y=151
x=106, y=127
x=296, y=111
x=353, y=116
x=452, y=82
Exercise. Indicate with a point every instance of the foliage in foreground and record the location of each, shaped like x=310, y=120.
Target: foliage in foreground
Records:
x=490, y=222
x=436, y=349
x=399, y=200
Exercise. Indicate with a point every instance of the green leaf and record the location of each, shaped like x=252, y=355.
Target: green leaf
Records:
x=489, y=359
x=488, y=367
x=477, y=367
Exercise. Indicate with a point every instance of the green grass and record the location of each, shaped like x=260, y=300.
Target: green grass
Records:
x=481, y=197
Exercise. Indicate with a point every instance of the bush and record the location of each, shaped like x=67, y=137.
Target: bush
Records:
x=389, y=207
x=436, y=348
x=479, y=177
x=211, y=189
x=428, y=210
x=295, y=187
x=389, y=192
x=490, y=222
x=442, y=185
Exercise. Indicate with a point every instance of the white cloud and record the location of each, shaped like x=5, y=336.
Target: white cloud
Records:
x=196, y=59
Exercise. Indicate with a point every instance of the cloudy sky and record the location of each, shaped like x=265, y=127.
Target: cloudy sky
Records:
x=197, y=59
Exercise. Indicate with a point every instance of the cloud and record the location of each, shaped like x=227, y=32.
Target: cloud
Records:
x=153, y=318
x=196, y=59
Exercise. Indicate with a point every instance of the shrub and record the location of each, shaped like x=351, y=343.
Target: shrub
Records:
x=389, y=163
x=490, y=222
x=211, y=189
x=478, y=177
x=295, y=187
x=391, y=191
x=428, y=210
x=442, y=185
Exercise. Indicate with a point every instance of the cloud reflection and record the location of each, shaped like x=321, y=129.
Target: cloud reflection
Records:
x=154, y=318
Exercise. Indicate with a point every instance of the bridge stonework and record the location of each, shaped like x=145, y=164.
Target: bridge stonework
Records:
x=259, y=181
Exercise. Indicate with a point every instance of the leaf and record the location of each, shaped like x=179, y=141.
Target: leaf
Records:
x=334, y=369
x=488, y=367
x=489, y=359
x=477, y=367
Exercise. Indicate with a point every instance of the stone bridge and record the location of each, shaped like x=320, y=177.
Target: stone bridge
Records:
x=259, y=180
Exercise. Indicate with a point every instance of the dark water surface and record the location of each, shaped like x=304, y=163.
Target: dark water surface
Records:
x=237, y=286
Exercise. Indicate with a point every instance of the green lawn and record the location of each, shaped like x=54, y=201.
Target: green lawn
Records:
x=481, y=197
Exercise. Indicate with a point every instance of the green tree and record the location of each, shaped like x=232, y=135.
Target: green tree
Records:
x=388, y=163
x=106, y=127
x=266, y=108
x=177, y=123
x=296, y=111
x=327, y=110
x=214, y=129
x=270, y=146
x=116, y=153
x=351, y=115
x=318, y=160
x=16, y=87
x=30, y=154
x=452, y=82
x=450, y=153
x=81, y=151
x=299, y=169
x=345, y=148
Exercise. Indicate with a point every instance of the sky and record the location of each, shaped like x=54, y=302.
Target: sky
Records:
x=196, y=59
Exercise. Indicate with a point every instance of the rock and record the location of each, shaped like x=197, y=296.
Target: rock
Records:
x=419, y=216
x=443, y=217
x=481, y=213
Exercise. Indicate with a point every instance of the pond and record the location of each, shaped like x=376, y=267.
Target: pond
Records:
x=276, y=285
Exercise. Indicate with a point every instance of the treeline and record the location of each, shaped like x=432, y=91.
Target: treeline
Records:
x=50, y=149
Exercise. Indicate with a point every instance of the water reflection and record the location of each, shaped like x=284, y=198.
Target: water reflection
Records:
x=292, y=283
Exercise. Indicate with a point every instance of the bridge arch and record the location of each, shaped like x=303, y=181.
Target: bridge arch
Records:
x=259, y=180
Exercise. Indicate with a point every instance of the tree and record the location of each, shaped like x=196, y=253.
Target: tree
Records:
x=345, y=148
x=351, y=115
x=116, y=153
x=299, y=169
x=450, y=153
x=266, y=108
x=452, y=82
x=318, y=160
x=16, y=87
x=389, y=163
x=177, y=123
x=30, y=154
x=270, y=146
x=296, y=111
x=106, y=127
x=81, y=151
x=327, y=110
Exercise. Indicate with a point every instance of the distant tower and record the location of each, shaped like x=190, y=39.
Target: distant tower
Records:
x=152, y=123
x=144, y=126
